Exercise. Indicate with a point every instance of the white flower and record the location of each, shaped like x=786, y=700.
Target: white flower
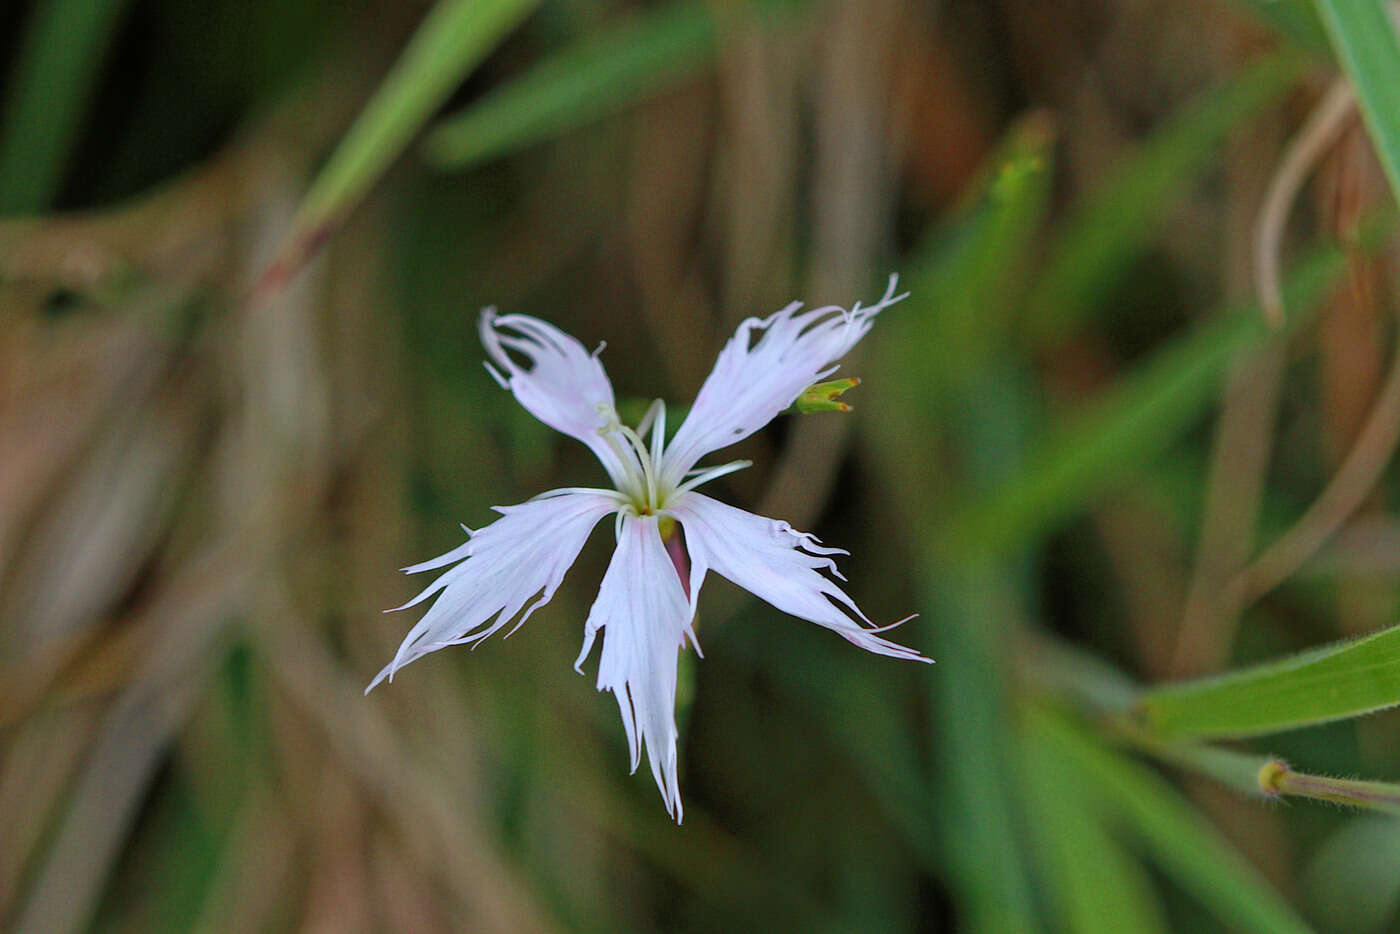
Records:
x=510, y=568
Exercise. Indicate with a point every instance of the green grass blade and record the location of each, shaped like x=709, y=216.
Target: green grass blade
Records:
x=452, y=39
x=955, y=281
x=1093, y=885
x=1133, y=423
x=961, y=296
x=987, y=864
x=1174, y=834
x=1102, y=237
x=1339, y=681
x=1364, y=38
x=976, y=609
x=588, y=81
x=47, y=95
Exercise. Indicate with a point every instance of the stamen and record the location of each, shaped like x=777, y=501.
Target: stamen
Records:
x=656, y=406
x=712, y=473
x=645, y=459
x=609, y=432
x=565, y=490
x=658, y=432
x=642, y=487
x=888, y=626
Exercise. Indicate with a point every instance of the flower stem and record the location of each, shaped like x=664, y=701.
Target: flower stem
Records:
x=1276, y=779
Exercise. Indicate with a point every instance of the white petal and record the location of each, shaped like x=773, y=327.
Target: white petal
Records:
x=782, y=566
x=565, y=386
x=749, y=385
x=502, y=567
x=647, y=618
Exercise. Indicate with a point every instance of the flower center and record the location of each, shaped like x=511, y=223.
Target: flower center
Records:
x=643, y=479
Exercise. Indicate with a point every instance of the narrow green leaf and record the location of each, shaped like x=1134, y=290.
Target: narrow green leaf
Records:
x=957, y=277
x=47, y=96
x=975, y=609
x=1364, y=38
x=1339, y=681
x=960, y=308
x=454, y=37
x=1093, y=885
x=1105, y=233
x=979, y=816
x=1174, y=834
x=585, y=82
x=1130, y=425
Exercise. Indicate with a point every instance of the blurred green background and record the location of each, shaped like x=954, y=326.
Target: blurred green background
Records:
x=242, y=248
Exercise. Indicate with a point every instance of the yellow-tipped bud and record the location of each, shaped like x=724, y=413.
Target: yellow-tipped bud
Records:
x=825, y=397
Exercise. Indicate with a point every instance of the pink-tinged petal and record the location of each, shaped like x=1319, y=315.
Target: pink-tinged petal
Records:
x=647, y=618
x=565, y=386
x=782, y=566
x=509, y=568
x=762, y=370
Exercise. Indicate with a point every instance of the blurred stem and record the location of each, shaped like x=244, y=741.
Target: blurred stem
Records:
x=1276, y=778
x=1319, y=133
x=1348, y=489
x=1106, y=692
x=1244, y=437
x=1237, y=770
x=453, y=38
x=47, y=95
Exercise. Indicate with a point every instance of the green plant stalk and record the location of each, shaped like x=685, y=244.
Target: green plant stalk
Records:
x=1277, y=779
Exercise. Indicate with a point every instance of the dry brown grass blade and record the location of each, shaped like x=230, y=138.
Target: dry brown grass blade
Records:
x=52, y=400
x=421, y=806
x=1239, y=460
x=1346, y=491
x=1319, y=133
x=760, y=86
x=1240, y=449
x=93, y=540
x=853, y=179
x=192, y=615
x=405, y=899
x=71, y=669
x=41, y=756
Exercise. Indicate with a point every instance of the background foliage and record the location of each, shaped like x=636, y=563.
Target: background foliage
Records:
x=1131, y=430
